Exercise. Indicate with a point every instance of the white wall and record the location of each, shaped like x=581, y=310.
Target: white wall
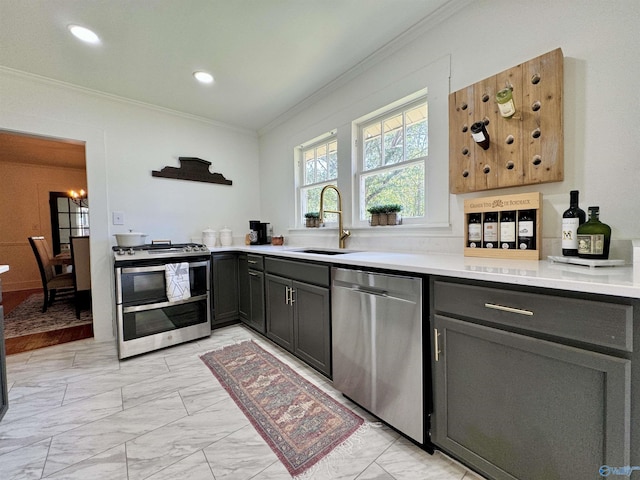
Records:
x=124, y=143
x=601, y=47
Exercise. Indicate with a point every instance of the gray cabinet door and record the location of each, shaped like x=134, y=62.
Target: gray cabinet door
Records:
x=312, y=325
x=225, y=289
x=256, y=318
x=516, y=407
x=279, y=311
x=244, y=295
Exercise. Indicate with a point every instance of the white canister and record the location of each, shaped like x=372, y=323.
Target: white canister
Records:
x=209, y=237
x=226, y=237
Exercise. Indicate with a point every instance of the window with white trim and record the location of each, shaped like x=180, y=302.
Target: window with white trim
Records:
x=392, y=161
x=318, y=168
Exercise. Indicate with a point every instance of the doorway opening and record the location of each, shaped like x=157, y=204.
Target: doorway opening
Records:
x=32, y=167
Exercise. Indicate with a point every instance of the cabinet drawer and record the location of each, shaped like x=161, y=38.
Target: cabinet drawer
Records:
x=256, y=262
x=596, y=322
x=304, y=272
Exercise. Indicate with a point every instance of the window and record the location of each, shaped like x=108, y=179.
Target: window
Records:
x=393, y=160
x=319, y=167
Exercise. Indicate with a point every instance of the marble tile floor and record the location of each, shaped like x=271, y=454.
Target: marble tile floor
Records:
x=76, y=412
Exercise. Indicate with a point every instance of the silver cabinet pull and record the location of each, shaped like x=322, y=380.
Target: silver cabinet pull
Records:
x=253, y=274
x=253, y=262
x=519, y=311
x=292, y=291
x=436, y=347
x=286, y=295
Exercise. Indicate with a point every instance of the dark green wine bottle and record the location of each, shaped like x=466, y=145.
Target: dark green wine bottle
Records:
x=594, y=237
x=526, y=230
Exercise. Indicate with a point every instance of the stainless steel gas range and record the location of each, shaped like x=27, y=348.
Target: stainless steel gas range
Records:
x=162, y=296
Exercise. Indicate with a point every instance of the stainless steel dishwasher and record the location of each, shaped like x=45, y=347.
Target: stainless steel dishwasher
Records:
x=377, y=346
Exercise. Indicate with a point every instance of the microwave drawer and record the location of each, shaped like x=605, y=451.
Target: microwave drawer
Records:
x=595, y=322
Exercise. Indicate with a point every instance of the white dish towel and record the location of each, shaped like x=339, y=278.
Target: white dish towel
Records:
x=177, y=280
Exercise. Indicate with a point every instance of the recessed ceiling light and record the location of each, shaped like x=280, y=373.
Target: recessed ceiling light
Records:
x=84, y=34
x=203, y=77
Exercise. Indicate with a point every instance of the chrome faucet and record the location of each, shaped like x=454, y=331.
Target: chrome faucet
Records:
x=342, y=234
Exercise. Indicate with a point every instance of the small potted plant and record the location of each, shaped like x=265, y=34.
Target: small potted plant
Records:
x=312, y=219
x=375, y=212
x=392, y=211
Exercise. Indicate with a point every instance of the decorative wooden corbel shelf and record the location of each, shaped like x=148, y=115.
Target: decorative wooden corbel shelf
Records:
x=194, y=169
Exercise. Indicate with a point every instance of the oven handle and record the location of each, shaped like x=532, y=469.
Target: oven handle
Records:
x=118, y=286
x=160, y=268
x=155, y=306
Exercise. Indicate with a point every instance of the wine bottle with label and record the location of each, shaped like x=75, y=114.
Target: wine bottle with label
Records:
x=474, y=230
x=490, y=230
x=572, y=218
x=526, y=230
x=508, y=229
x=594, y=237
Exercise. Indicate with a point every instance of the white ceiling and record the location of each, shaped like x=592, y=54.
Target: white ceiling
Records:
x=267, y=56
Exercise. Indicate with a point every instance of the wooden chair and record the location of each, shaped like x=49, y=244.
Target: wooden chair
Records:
x=51, y=282
x=81, y=272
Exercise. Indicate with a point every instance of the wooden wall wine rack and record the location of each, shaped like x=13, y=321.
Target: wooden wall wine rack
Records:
x=522, y=201
x=527, y=148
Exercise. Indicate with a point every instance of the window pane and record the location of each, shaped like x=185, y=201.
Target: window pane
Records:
x=321, y=164
x=403, y=185
x=372, y=147
x=309, y=167
x=417, y=141
x=393, y=140
x=311, y=202
x=63, y=204
x=332, y=161
x=63, y=220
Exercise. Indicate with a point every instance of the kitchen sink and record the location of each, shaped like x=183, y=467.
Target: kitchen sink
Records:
x=318, y=251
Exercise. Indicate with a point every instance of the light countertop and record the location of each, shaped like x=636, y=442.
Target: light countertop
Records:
x=618, y=280
x=4, y=268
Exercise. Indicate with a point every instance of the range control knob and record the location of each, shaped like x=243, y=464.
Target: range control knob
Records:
x=120, y=251
x=130, y=251
x=187, y=248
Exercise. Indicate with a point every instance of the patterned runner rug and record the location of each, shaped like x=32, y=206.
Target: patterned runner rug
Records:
x=300, y=422
x=27, y=318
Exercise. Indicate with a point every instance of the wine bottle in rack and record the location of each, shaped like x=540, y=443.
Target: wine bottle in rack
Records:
x=594, y=237
x=490, y=230
x=508, y=229
x=474, y=230
x=572, y=218
x=527, y=230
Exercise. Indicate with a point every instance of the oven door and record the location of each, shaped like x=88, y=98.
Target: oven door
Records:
x=143, y=321
x=146, y=285
x=147, y=320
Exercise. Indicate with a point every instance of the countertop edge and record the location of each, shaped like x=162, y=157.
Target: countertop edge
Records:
x=616, y=281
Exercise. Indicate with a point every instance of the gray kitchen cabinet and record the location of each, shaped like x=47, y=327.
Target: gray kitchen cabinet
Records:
x=298, y=310
x=530, y=385
x=224, y=272
x=251, y=291
x=4, y=392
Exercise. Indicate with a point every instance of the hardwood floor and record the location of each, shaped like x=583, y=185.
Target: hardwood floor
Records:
x=10, y=300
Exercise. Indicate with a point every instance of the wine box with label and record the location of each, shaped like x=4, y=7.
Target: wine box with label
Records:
x=526, y=212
